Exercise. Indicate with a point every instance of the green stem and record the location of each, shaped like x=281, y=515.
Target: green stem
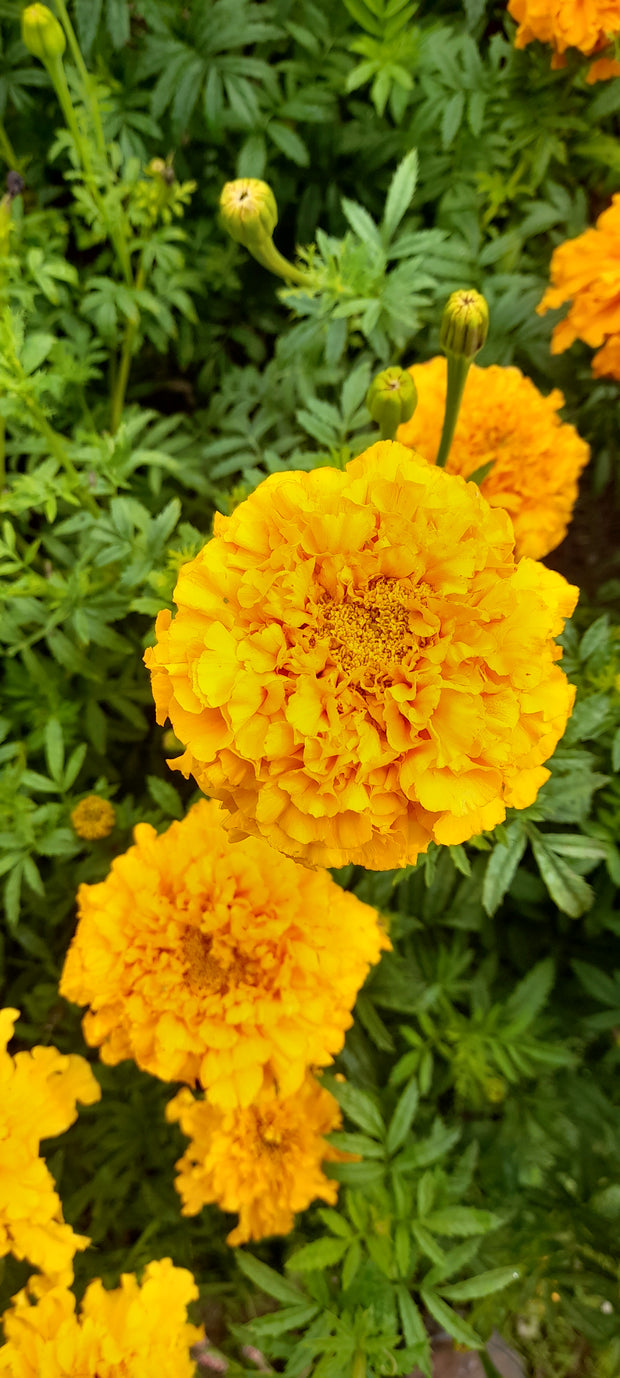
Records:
x=271, y=258
x=122, y=376
x=58, y=77
x=90, y=94
x=458, y=368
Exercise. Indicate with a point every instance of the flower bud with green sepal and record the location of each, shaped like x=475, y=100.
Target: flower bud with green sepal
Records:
x=463, y=331
x=464, y=324
x=391, y=399
x=248, y=211
x=42, y=34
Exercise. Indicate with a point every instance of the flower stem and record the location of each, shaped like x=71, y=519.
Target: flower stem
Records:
x=271, y=258
x=122, y=376
x=458, y=368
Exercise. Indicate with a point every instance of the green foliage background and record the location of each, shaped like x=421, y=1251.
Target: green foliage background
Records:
x=482, y=1066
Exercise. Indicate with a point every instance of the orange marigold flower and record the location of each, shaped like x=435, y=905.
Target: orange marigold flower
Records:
x=263, y=1162
x=93, y=817
x=585, y=24
x=536, y=457
x=39, y=1091
x=138, y=1329
x=358, y=664
x=586, y=272
x=218, y=962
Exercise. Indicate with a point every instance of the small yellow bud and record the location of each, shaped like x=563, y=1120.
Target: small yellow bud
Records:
x=464, y=324
x=495, y=1089
x=42, y=34
x=249, y=212
x=391, y=399
x=93, y=817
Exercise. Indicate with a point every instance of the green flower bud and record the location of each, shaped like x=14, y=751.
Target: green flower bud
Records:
x=42, y=34
x=464, y=324
x=391, y=399
x=248, y=211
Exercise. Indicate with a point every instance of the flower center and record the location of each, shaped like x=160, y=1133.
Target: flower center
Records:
x=370, y=629
x=203, y=971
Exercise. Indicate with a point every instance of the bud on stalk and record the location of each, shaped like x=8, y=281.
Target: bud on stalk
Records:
x=42, y=34
x=391, y=399
x=249, y=213
x=464, y=324
x=463, y=331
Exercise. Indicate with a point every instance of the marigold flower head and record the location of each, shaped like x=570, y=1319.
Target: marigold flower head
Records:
x=93, y=817
x=504, y=419
x=218, y=962
x=39, y=1091
x=586, y=272
x=263, y=1161
x=358, y=665
x=137, y=1329
x=585, y=24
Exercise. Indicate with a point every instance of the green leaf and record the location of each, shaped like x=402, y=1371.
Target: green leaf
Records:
x=400, y=194
x=357, y=1105
x=54, y=749
x=461, y=1221
x=74, y=765
x=268, y=1280
x=355, y=1174
x=460, y=1330
x=351, y=1264
x=414, y=1328
x=452, y=119
x=165, y=796
x=403, y=1116
x=615, y=750
x=363, y=225
x=598, y=984
x=502, y=865
x=87, y=14
x=322, y=1253
x=570, y=892
x=278, y=1322
x=335, y=1222
x=289, y=143
x=481, y=1286
x=529, y=997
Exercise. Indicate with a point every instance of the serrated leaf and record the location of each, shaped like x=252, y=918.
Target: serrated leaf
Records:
x=278, y=1322
x=268, y=1280
x=459, y=1329
x=414, y=1329
x=357, y=1105
x=402, y=1118
x=351, y=1264
x=335, y=1222
x=501, y=867
x=481, y=1286
x=570, y=892
x=54, y=749
x=598, y=984
x=400, y=194
x=165, y=796
x=461, y=1221
x=362, y=224
x=322, y=1253
x=452, y=119
x=529, y=997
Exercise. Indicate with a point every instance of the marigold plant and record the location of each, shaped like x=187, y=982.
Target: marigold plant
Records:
x=586, y=272
x=39, y=1091
x=504, y=420
x=584, y=24
x=138, y=1329
x=263, y=1161
x=217, y=962
x=358, y=665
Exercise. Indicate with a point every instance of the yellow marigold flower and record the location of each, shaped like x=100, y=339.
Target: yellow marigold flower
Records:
x=218, y=962
x=586, y=272
x=536, y=457
x=358, y=665
x=39, y=1091
x=93, y=817
x=263, y=1162
x=585, y=24
x=138, y=1329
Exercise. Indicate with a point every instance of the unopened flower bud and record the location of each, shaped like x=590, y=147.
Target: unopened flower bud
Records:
x=249, y=212
x=42, y=34
x=391, y=399
x=464, y=324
